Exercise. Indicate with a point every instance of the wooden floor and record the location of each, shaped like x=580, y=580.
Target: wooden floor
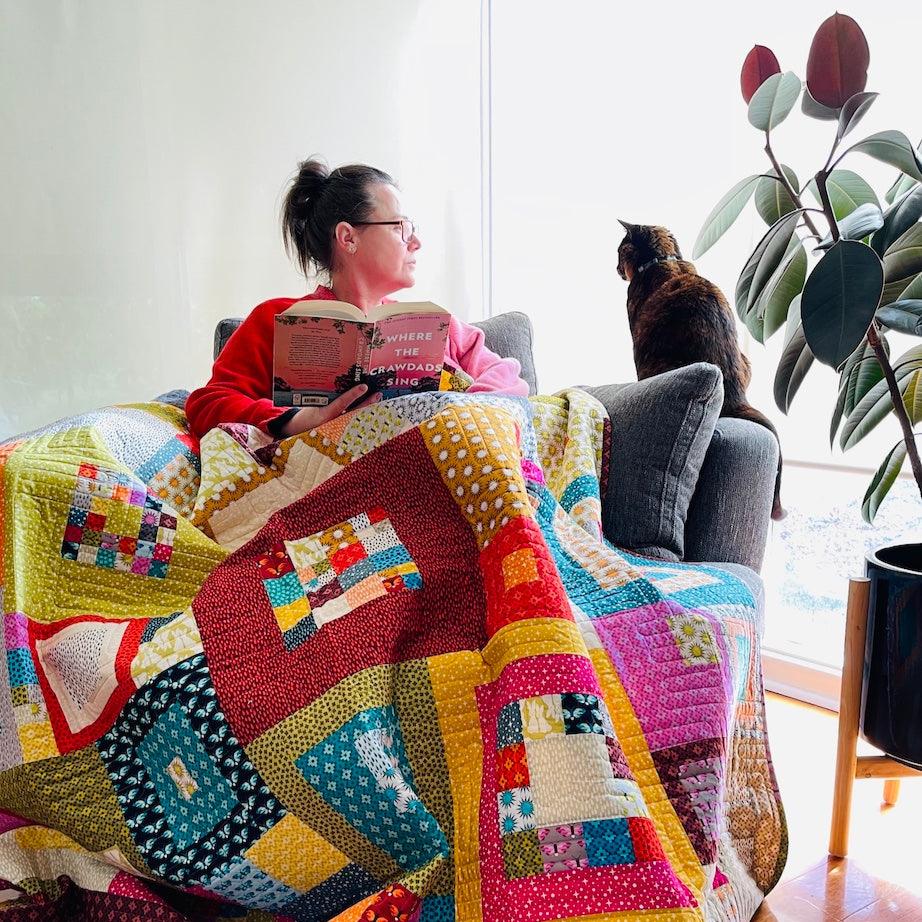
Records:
x=882, y=877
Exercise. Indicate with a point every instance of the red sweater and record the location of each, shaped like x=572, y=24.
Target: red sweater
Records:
x=240, y=389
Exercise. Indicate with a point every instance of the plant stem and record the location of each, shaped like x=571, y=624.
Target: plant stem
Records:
x=787, y=185
x=821, y=178
x=899, y=408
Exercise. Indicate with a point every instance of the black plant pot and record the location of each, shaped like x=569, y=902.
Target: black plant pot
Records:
x=891, y=688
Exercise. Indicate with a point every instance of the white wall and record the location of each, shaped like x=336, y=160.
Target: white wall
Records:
x=145, y=149
x=633, y=111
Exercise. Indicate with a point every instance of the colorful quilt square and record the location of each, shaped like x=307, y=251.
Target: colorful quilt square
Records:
x=193, y=809
x=345, y=557
x=509, y=725
x=512, y=767
x=140, y=565
x=21, y=668
x=366, y=591
x=521, y=855
x=299, y=633
x=363, y=568
x=275, y=562
x=572, y=780
x=176, y=715
x=363, y=772
x=582, y=713
x=608, y=842
x=283, y=590
x=542, y=716
x=248, y=885
x=97, y=520
x=562, y=847
x=289, y=615
x=335, y=607
x=333, y=571
x=519, y=567
x=305, y=553
x=692, y=634
x=644, y=839
x=516, y=810
x=296, y=855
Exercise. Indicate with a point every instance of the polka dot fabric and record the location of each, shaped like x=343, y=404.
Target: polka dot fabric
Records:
x=387, y=670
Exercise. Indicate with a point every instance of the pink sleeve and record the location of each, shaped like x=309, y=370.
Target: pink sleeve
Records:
x=491, y=373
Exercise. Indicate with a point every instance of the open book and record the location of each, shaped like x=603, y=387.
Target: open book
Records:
x=322, y=348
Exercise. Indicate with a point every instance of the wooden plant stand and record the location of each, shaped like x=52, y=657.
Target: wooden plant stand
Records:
x=849, y=765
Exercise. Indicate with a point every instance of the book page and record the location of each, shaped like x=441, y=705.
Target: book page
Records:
x=317, y=358
x=383, y=311
x=313, y=308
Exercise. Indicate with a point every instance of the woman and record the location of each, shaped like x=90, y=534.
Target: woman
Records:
x=349, y=224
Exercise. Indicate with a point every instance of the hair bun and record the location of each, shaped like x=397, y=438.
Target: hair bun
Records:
x=311, y=179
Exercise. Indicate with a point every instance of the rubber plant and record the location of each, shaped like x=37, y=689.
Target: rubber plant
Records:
x=838, y=272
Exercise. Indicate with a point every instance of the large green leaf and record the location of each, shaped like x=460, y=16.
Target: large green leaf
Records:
x=898, y=218
x=860, y=373
x=862, y=222
x=865, y=372
x=891, y=147
x=725, y=212
x=882, y=481
x=809, y=106
x=847, y=190
x=912, y=398
x=785, y=284
x=876, y=403
x=772, y=101
x=763, y=262
x=902, y=263
x=796, y=359
x=904, y=316
x=853, y=111
x=773, y=201
x=840, y=299
x=902, y=185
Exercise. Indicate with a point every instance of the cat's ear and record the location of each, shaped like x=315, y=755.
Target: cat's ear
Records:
x=628, y=227
x=675, y=244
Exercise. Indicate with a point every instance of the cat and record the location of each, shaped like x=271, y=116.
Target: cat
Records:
x=677, y=317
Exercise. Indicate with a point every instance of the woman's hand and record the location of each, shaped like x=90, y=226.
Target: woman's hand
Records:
x=310, y=417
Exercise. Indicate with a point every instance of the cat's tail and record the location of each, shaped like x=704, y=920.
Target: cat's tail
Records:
x=744, y=411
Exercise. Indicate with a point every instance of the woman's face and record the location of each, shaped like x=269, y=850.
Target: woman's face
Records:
x=382, y=258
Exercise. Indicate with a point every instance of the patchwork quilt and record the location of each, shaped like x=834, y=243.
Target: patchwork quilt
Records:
x=385, y=670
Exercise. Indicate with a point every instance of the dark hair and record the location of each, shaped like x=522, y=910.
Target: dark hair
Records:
x=317, y=201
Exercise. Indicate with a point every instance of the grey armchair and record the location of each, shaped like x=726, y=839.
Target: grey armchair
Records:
x=683, y=484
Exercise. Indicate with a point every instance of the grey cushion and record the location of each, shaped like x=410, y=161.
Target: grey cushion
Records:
x=729, y=514
x=660, y=430
x=509, y=335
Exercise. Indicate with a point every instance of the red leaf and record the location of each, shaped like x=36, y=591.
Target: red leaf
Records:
x=759, y=65
x=837, y=67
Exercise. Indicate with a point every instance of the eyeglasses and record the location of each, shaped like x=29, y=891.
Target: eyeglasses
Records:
x=407, y=227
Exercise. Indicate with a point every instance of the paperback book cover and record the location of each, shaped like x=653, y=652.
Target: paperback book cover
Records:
x=322, y=348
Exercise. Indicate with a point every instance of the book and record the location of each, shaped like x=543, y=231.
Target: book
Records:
x=323, y=348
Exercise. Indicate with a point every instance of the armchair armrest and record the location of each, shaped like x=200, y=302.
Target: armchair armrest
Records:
x=730, y=511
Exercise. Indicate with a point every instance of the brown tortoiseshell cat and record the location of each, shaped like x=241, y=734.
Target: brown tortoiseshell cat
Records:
x=677, y=318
